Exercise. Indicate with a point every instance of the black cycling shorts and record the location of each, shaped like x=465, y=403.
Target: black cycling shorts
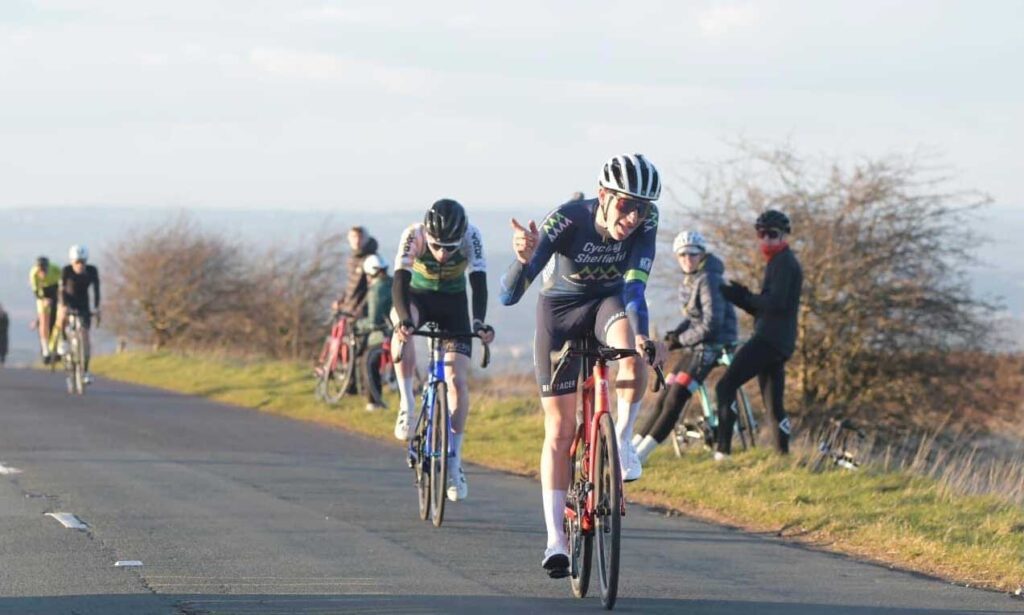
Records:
x=84, y=315
x=451, y=313
x=560, y=319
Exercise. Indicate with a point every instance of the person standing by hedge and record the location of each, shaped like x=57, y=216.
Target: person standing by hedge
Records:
x=375, y=326
x=775, y=310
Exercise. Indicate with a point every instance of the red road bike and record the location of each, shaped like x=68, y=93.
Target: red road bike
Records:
x=336, y=365
x=594, y=503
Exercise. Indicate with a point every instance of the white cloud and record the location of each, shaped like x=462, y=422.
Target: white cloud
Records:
x=723, y=20
x=328, y=67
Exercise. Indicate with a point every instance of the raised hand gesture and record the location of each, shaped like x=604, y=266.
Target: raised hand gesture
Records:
x=524, y=240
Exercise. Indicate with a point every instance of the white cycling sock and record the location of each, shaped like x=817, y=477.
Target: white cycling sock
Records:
x=457, y=448
x=624, y=420
x=554, y=515
x=645, y=448
x=406, y=397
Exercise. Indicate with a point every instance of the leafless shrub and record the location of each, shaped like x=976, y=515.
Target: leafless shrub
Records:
x=886, y=300
x=178, y=286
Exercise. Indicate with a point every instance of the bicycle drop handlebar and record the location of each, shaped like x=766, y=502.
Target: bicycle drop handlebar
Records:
x=597, y=351
x=448, y=335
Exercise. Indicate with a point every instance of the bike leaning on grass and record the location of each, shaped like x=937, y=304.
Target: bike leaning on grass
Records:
x=430, y=446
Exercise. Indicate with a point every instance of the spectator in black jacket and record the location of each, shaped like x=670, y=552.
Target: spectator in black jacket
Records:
x=709, y=322
x=5, y=323
x=353, y=299
x=775, y=311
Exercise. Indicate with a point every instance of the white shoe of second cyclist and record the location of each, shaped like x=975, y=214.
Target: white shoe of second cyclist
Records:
x=87, y=378
x=402, y=425
x=458, y=489
x=630, y=463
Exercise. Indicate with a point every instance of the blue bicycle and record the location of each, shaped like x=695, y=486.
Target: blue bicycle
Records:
x=430, y=445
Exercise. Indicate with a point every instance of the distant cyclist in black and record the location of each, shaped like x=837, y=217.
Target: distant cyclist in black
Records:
x=775, y=311
x=75, y=281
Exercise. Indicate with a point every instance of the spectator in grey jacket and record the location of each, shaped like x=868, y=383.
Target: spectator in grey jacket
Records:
x=709, y=322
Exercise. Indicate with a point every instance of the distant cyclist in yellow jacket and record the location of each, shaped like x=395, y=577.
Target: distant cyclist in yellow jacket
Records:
x=44, y=279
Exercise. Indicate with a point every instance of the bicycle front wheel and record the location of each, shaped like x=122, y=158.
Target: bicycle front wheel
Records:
x=439, y=454
x=337, y=380
x=608, y=511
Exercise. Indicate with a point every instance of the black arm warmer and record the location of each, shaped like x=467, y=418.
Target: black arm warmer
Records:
x=400, y=294
x=478, y=282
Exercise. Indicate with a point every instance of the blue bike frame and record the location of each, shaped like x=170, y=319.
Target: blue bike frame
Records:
x=435, y=376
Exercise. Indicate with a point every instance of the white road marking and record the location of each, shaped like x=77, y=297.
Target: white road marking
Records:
x=69, y=520
x=8, y=470
x=127, y=563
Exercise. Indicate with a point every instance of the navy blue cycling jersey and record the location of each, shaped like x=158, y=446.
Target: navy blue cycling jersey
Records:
x=586, y=264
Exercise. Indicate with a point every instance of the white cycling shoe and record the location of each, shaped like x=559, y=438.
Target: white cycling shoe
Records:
x=87, y=378
x=458, y=489
x=402, y=425
x=630, y=463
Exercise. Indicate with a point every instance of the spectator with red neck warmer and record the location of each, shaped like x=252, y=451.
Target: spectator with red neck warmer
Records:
x=775, y=310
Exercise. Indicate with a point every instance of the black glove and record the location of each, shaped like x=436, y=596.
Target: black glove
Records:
x=735, y=292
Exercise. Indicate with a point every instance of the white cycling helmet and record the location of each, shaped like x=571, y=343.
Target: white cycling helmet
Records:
x=78, y=253
x=631, y=174
x=689, y=239
x=373, y=263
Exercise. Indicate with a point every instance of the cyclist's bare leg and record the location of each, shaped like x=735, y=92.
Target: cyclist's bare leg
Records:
x=455, y=370
x=630, y=381
x=86, y=347
x=405, y=366
x=44, y=329
x=559, y=431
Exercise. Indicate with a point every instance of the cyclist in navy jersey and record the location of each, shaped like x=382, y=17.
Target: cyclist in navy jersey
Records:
x=594, y=257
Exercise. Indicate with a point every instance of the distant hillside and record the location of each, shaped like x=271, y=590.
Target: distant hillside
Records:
x=26, y=233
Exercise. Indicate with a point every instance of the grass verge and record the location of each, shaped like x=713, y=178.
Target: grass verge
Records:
x=889, y=517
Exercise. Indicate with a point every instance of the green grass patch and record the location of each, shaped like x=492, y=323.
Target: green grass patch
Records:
x=890, y=517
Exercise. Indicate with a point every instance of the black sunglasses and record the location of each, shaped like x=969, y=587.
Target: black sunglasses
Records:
x=628, y=205
x=770, y=233
x=443, y=247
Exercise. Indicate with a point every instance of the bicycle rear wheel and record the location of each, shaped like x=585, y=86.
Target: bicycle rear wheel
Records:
x=337, y=380
x=439, y=454
x=421, y=466
x=608, y=511
x=581, y=544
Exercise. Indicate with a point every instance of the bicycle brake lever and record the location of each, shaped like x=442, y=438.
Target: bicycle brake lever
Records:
x=659, y=380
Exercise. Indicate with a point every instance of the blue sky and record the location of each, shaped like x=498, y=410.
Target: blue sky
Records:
x=349, y=105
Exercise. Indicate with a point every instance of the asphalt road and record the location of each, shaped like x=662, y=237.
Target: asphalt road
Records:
x=233, y=511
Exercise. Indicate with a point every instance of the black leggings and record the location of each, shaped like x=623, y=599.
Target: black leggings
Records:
x=761, y=359
x=371, y=366
x=696, y=363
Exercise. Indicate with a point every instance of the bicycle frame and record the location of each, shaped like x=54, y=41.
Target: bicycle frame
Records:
x=337, y=348
x=596, y=402
x=435, y=376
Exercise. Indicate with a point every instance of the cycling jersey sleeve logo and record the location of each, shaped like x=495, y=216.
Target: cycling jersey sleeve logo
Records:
x=555, y=224
x=651, y=221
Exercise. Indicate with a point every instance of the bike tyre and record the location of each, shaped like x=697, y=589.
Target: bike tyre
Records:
x=581, y=544
x=439, y=454
x=422, y=468
x=339, y=378
x=607, y=513
x=746, y=421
